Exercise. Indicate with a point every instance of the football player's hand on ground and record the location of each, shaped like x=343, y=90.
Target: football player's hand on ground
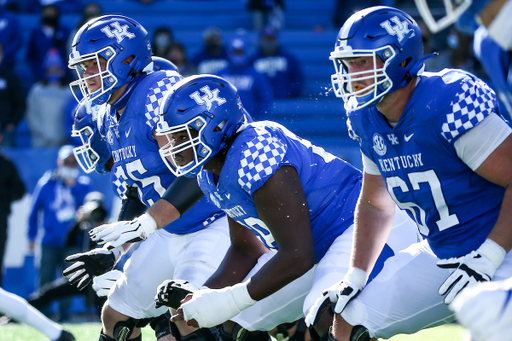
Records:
x=340, y=294
x=210, y=307
x=123, y=232
x=102, y=284
x=172, y=292
x=89, y=264
x=476, y=266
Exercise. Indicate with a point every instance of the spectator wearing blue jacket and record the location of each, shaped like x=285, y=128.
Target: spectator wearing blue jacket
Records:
x=214, y=56
x=50, y=34
x=11, y=36
x=253, y=87
x=56, y=198
x=282, y=69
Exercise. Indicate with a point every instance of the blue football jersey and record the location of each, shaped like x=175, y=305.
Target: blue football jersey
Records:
x=497, y=63
x=331, y=185
x=135, y=151
x=454, y=207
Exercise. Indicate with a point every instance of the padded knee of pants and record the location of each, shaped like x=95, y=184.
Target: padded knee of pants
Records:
x=202, y=334
x=161, y=325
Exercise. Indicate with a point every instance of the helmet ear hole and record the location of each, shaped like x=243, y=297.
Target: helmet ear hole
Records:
x=405, y=62
x=220, y=126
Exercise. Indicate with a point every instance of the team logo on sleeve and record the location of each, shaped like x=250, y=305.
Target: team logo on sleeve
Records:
x=378, y=145
x=399, y=29
x=119, y=32
x=208, y=98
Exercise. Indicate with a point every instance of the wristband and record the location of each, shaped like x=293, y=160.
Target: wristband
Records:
x=356, y=276
x=241, y=296
x=492, y=251
x=148, y=224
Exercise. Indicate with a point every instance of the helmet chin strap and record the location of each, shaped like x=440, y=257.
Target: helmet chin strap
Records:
x=121, y=101
x=416, y=68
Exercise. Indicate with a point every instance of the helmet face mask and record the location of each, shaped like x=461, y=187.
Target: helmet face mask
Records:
x=203, y=112
x=85, y=155
x=93, y=154
x=192, y=147
x=387, y=37
x=103, y=77
x=452, y=12
x=120, y=41
x=343, y=80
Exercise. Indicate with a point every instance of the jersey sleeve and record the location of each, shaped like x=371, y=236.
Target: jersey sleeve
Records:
x=472, y=103
x=474, y=147
x=260, y=158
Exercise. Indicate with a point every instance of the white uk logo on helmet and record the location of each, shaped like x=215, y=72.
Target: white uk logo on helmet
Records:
x=119, y=32
x=208, y=98
x=400, y=29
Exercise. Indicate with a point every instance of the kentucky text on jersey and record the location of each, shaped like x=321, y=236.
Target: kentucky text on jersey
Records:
x=399, y=162
x=124, y=153
x=237, y=211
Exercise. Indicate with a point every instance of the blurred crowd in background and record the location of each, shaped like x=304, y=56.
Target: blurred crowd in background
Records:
x=262, y=73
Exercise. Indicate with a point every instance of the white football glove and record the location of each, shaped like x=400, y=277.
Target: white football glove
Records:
x=211, y=307
x=486, y=310
x=102, y=284
x=124, y=231
x=340, y=293
x=476, y=266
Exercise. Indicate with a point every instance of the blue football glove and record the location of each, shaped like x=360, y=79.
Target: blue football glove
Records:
x=476, y=266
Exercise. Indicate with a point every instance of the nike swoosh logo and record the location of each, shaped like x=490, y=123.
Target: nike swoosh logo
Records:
x=228, y=195
x=128, y=132
x=407, y=138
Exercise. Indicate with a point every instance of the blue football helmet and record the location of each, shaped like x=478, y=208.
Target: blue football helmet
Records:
x=209, y=109
x=384, y=32
x=113, y=38
x=94, y=153
x=462, y=12
x=160, y=63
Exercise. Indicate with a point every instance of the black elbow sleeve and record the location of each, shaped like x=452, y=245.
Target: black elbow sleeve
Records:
x=131, y=206
x=183, y=193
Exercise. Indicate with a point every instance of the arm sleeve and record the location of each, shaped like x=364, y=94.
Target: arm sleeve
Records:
x=478, y=143
x=183, y=193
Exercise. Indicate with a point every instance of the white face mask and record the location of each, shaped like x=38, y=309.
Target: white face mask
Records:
x=68, y=173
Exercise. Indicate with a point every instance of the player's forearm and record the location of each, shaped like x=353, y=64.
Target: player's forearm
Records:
x=502, y=231
x=372, y=227
x=163, y=213
x=282, y=269
x=234, y=268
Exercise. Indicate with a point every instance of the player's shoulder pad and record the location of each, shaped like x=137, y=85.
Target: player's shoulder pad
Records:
x=472, y=103
x=260, y=155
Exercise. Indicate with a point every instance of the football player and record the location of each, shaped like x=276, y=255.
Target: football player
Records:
x=112, y=58
x=19, y=309
x=290, y=206
x=486, y=310
x=469, y=14
x=436, y=145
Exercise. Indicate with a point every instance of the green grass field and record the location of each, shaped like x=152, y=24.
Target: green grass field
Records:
x=89, y=332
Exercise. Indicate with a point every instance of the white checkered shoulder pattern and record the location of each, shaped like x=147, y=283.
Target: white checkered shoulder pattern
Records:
x=154, y=99
x=261, y=158
x=474, y=102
